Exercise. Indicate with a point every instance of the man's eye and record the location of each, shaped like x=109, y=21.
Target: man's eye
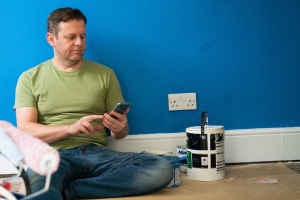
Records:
x=83, y=36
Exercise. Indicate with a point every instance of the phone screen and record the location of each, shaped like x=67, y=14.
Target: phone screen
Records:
x=120, y=108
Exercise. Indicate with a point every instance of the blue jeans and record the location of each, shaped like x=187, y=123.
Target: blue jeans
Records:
x=98, y=172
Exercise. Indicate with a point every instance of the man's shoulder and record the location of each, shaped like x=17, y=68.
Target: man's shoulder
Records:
x=96, y=65
x=39, y=67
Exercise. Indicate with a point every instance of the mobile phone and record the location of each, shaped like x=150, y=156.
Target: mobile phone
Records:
x=120, y=108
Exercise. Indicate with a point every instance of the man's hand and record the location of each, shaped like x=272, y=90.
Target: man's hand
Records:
x=27, y=118
x=119, y=126
x=84, y=126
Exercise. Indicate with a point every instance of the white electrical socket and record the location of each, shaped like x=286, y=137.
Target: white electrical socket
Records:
x=182, y=101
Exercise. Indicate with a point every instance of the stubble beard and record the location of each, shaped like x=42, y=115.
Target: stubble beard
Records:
x=71, y=60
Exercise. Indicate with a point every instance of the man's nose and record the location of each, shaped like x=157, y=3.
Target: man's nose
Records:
x=78, y=41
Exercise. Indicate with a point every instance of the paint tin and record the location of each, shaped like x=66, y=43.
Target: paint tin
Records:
x=205, y=153
x=176, y=181
x=181, y=152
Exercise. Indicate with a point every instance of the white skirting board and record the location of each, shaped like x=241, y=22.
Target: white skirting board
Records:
x=241, y=146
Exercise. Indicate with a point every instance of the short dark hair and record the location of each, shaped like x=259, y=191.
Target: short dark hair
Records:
x=63, y=15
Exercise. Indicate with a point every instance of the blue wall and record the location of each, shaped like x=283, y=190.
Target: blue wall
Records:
x=240, y=57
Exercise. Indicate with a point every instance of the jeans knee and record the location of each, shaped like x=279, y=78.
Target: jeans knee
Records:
x=167, y=170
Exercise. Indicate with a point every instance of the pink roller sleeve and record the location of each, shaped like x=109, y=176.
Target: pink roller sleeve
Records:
x=36, y=152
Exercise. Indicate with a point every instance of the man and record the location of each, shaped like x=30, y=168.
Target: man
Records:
x=65, y=102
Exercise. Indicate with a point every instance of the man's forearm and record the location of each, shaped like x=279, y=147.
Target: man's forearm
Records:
x=45, y=133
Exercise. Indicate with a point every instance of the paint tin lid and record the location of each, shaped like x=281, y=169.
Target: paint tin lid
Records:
x=207, y=129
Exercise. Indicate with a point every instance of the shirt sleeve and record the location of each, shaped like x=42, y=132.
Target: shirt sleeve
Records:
x=114, y=94
x=24, y=96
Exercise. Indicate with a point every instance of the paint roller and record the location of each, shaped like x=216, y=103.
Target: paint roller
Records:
x=9, y=149
x=38, y=156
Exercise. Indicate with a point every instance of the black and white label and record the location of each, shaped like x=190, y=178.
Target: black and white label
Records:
x=220, y=156
x=204, y=161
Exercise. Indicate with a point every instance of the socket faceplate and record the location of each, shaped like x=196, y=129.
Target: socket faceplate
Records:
x=182, y=101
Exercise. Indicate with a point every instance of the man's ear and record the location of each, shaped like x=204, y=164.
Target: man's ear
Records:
x=50, y=39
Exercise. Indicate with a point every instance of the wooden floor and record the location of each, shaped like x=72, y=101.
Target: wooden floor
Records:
x=295, y=166
x=240, y=183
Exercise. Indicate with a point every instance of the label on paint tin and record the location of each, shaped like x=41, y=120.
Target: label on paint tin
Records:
x=181, y=151
x=189, y=159
x=220, y=160
x=204, y=161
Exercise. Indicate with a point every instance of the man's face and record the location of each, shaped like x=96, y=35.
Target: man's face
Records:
x=69, y=44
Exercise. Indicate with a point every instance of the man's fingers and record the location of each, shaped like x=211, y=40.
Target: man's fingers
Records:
x=98, y=128
x=127, y=111
x=94, y=117
x=84, y=130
